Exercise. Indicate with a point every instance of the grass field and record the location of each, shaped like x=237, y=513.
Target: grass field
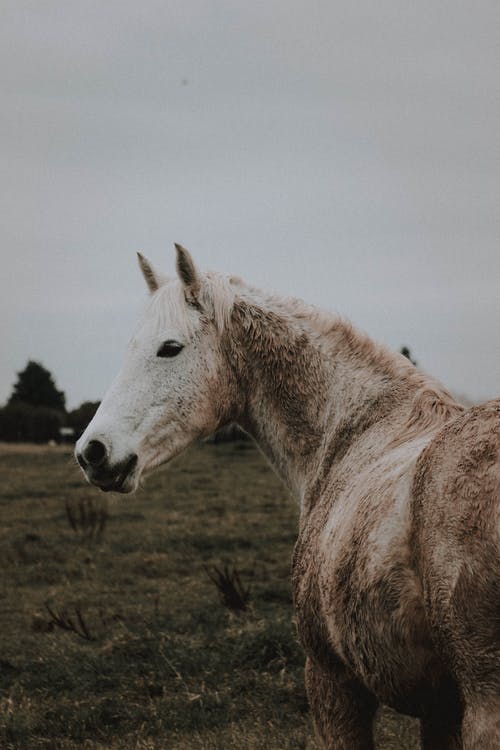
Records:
x=113, y=634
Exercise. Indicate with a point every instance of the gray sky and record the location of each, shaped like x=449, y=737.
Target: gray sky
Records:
x=344, y=152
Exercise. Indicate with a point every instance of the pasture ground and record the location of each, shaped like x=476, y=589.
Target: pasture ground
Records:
x=163, y=664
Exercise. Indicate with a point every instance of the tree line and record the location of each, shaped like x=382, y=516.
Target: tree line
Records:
x=36, y=410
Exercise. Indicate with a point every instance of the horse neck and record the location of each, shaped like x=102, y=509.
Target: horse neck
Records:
x=305, y=378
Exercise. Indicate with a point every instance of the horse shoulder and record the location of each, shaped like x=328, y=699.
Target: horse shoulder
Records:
x=352, y=568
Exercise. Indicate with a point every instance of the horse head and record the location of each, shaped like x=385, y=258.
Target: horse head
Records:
x=172, y=387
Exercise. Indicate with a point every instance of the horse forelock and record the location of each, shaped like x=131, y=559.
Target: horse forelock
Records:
x=217, y=295
x=168, y=306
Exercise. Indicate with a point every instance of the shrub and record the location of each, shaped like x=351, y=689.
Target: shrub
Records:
x=31, y=424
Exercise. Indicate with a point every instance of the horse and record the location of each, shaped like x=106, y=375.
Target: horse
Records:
x=395, y=572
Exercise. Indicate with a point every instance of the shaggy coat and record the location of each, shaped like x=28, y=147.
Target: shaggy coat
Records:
x=396, y=567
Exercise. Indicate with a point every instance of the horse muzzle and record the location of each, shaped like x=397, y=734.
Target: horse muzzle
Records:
x=94, y=456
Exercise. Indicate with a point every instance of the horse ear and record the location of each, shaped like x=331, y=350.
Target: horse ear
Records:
x=150, y=275
x=187, y=271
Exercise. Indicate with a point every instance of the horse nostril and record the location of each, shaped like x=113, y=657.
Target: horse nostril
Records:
x=94, y=453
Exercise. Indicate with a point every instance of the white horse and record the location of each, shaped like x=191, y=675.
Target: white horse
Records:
x=396, y=567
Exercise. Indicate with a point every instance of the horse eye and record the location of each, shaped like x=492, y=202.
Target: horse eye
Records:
x=169, y=349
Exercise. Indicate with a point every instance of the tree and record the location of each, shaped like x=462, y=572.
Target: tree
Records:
x=30, y=424
x=79, y=418
x=406, y=353
x=35, y=386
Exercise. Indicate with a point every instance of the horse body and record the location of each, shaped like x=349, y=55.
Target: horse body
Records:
x=397, y=485
x=456, y=515
x=353, y=574
x=396, y=583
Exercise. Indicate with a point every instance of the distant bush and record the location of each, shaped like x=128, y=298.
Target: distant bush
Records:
x=23, y=422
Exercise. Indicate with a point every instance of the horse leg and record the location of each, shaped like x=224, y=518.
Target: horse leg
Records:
x=475, y=651
x=471, y=639
x=481, y=726
x=343, y=710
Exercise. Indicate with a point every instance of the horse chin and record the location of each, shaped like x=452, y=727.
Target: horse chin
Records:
x=126, y=487
x=123, y=483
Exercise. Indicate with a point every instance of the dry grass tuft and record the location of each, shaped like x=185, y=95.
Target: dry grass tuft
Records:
x=87, y=517
x=73, y=623
x=233, y=594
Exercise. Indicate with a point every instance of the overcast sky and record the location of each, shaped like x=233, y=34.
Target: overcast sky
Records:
x=344, y=152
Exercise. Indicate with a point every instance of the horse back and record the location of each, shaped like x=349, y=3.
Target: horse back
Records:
x=456, y=522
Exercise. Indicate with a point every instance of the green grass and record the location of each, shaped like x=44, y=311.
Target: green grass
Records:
x=167, y=665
